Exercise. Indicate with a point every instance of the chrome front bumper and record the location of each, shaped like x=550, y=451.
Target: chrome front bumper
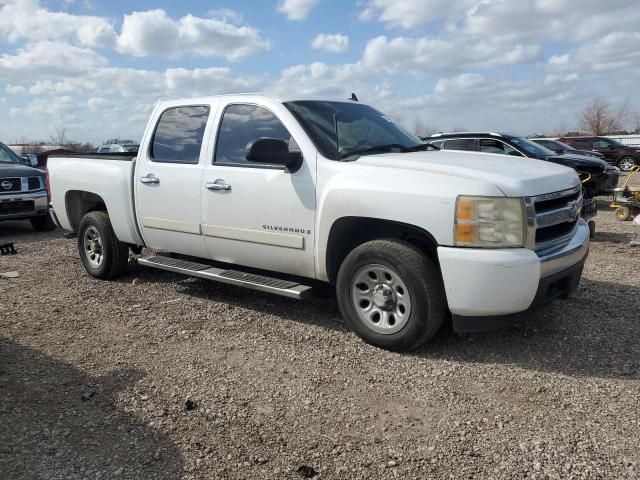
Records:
x=557, y=259
x=40, y=204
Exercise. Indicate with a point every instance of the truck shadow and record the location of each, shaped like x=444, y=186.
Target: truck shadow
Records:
x=21, y=230
x=596, y=333
x=59, y=422
x=613, y=237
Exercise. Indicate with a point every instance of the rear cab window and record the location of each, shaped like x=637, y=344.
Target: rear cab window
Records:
x=582, y=144
x=490, y=145
x=179, y=134
x=468, y=144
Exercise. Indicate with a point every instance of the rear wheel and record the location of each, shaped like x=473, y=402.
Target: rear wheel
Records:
x=43, y=223
x=627, y=163
x=101, y=253
x=623, y=213
x=391, y=294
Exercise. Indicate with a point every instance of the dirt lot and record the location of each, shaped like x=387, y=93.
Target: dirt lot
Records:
x=181, y=378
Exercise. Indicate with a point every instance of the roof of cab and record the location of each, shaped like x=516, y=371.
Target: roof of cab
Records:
x=253, y=96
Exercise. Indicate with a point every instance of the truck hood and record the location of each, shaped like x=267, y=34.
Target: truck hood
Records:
x=515, y=176
x=15, y=170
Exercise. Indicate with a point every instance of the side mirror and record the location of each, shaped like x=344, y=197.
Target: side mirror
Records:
x=273, y=151
x=33, y=159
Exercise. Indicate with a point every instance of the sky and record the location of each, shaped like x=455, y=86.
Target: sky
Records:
x=96, y=68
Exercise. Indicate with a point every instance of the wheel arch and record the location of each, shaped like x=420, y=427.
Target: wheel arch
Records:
x=349, y=232
x=79, y=202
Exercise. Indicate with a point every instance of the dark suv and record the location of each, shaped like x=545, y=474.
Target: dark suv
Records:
x=604, y=178
x=616, y=153
x=559, y=147
x=22, y=192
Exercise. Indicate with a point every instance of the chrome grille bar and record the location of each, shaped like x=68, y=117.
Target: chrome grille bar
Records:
x=561, y=208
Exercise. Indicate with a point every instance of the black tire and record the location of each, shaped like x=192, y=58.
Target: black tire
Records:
x=626, y=163
x=115, y=254
x=423, y=282
x=42, y=223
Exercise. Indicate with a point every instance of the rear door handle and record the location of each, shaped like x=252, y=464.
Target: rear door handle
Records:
x=150, y=179
x=218, y=185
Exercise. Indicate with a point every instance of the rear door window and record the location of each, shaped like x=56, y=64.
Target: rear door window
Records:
x=489, y=145
x=581, y=144
x=601, y=143
x=178, y=135
x=460, y=144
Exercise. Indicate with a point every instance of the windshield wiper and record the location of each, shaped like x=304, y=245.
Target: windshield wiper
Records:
x=389, y=147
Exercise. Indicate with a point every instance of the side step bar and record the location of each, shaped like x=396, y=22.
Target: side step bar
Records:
x=232, y=277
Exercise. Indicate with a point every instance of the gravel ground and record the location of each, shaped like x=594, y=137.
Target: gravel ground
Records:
x=171, y=377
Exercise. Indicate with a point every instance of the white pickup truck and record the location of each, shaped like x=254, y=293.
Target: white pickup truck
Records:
x=277, y=195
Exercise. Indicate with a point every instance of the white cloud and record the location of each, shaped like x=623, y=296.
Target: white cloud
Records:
x=322, y=80
x=411, y=13
x=559, y=59
x=15, y=89
x=428, y=55
x=296, y=9
x=146, y=33
x=335, y=43
x=50, y=58
x=226, y=15
x=28, y=20
x=154, y=33
x=99, y=103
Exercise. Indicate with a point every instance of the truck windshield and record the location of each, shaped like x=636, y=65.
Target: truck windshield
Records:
x=7, y=155
x=342, y=130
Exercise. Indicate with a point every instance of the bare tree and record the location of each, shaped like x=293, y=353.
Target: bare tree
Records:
x=560, y=131
x=599, y=118
x=421, y=129
x=60, y=137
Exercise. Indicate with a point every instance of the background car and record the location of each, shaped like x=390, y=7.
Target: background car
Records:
x=561, y=148
x=616, y=153
x=23, y=195
x=604, y=178
x=118, y=148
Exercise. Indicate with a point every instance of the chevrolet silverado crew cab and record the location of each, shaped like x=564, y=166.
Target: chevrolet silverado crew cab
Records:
x=23, y=195
x=277, y=195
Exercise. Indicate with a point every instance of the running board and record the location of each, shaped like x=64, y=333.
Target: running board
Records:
x=232, y=277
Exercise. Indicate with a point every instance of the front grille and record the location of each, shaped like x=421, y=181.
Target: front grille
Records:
x=553, y=217
x=21, y=184
x=35, y=183
x=10, y=185
x=17, y=207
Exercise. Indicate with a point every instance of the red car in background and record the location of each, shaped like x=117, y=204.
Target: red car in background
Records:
x=623, y=156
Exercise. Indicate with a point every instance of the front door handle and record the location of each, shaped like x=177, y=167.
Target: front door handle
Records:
x=218, y=185
x=150, y=179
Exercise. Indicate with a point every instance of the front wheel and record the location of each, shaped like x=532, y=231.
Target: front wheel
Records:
x=391, y=294
x=627, y=163
x=101, y=253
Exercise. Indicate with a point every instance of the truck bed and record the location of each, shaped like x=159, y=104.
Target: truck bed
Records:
x=106, y=176
x=123, y=157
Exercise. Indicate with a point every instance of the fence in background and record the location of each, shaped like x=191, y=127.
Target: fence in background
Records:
x=626, y=139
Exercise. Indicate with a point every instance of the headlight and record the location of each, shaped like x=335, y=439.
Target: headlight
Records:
x=489, y=222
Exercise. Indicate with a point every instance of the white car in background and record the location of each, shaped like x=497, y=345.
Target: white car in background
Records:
x=119, y=148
